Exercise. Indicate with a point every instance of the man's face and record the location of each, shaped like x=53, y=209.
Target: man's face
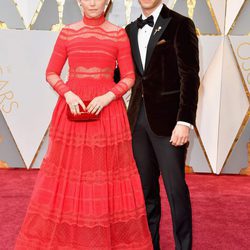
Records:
x=149, y=4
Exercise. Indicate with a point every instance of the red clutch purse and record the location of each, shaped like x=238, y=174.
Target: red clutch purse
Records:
x=84, y=116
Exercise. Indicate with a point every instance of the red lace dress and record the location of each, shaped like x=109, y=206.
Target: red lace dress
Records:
x=88, y=193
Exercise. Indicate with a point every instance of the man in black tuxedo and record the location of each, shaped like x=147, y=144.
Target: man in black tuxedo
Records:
x=162, y=110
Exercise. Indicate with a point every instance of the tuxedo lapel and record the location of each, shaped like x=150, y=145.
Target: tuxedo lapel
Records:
x=159, y=27
x=135, y=47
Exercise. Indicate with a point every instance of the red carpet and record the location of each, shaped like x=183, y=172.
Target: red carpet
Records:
x=221, y=210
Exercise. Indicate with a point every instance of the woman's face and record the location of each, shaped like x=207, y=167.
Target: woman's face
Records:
x=93, y=8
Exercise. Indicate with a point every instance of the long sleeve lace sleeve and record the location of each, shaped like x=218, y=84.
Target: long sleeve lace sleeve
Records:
x=125, y=63
x=56, y=63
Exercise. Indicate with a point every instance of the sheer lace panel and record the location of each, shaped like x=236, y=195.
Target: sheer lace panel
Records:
x=97, y=33
x=125, y=63
x=106, y=26
x=94, y=72
x=106, y=31
x=56, y=63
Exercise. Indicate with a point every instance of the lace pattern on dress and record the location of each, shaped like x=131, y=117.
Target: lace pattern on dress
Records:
x=95, y=72
x=106, y=31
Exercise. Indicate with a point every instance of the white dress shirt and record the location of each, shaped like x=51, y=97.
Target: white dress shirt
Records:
x=143, y=39
x=145, y=33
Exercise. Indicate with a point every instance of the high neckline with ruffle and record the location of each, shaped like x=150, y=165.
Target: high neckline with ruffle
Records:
x=94, y=21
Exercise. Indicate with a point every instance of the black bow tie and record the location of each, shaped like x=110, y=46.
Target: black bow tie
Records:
x=141, y=23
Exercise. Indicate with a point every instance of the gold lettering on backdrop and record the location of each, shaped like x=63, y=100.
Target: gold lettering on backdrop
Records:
x=10, y=107
x=245, y=65
x=3, y=84
x=240, y=54
x=7, y=97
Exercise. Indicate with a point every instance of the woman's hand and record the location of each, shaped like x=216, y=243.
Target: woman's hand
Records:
x=74, y=101
x=99, y=102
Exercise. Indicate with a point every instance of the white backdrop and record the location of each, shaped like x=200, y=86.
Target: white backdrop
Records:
x=26, y=101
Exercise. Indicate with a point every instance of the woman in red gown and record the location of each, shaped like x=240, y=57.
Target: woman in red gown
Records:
x=88, y=193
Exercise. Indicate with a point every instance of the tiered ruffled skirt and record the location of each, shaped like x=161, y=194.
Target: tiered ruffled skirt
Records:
x=88, y=193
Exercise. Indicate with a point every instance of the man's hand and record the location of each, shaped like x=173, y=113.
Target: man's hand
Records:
x=180, y=135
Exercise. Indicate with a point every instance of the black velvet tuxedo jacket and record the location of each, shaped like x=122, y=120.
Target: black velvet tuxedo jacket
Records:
x=170, y=81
